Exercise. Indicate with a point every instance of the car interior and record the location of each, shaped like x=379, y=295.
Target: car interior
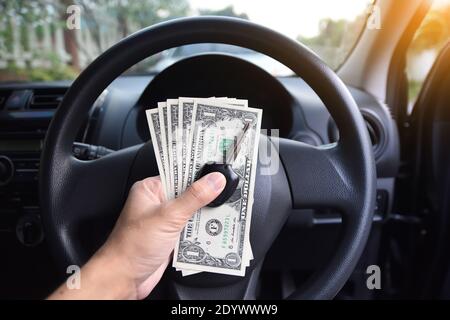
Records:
x=364, y=178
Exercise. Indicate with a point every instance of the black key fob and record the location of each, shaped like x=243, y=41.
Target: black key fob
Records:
x=230, y=175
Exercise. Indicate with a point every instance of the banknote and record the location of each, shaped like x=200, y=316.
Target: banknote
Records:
x=162, y=110
x=186, y=133
x=187, y=107
x=155, y=133
x=186, y=110
x=216, y=239
x=173, y=134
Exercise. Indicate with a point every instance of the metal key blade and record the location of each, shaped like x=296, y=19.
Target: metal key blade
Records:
x=232, y=154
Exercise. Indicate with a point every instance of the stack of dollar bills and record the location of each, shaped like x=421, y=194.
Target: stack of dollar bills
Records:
x=187, y=133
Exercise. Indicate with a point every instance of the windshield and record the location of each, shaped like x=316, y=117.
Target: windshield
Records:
x=44, y=40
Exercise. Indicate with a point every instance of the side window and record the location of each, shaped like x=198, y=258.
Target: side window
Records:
x=432, y=35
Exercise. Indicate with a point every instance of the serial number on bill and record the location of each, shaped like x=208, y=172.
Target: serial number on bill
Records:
x=225, y=309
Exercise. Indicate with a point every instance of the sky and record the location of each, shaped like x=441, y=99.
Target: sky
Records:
x=290, y=17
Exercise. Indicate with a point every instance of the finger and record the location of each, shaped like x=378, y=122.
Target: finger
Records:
x=153, y=185
x=144, y=194
x=198, y=195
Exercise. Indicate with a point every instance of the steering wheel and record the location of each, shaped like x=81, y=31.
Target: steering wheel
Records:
x=88, y=195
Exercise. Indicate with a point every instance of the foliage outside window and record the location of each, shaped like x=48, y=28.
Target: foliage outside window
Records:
x=430, y=38
x=35, y=43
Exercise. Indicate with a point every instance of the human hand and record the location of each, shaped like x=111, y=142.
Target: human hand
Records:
x=148, y=227
x=138, y=250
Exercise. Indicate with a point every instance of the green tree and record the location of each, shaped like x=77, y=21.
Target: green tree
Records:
x=127, y=16
x=331, y=33
x=131, y=14
x=335, y=39
x=23, y=12
x=110, y=18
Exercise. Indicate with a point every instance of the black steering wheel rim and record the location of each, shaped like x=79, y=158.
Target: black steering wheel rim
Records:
x=351, y=161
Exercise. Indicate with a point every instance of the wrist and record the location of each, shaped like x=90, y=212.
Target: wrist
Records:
x=107, y=274
x=101, y=278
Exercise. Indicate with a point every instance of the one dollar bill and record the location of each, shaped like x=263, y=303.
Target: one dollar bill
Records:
x=217, y=239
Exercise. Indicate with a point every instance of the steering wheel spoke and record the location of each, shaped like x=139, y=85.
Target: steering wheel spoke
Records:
x=317, y=176
x=91, y=195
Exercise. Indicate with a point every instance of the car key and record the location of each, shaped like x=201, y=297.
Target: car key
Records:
x=226, y=169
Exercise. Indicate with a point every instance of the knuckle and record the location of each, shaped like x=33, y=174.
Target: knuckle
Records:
x=145, y=185
x=138, y=186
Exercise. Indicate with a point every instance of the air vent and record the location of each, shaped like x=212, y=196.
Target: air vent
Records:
x=376, y=132
x=374, y=127
x=4, y=95
x=47, y=98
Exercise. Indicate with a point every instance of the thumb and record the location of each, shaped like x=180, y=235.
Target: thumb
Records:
x=198, y=195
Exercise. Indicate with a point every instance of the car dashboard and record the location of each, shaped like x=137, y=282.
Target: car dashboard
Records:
x=116, y=121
